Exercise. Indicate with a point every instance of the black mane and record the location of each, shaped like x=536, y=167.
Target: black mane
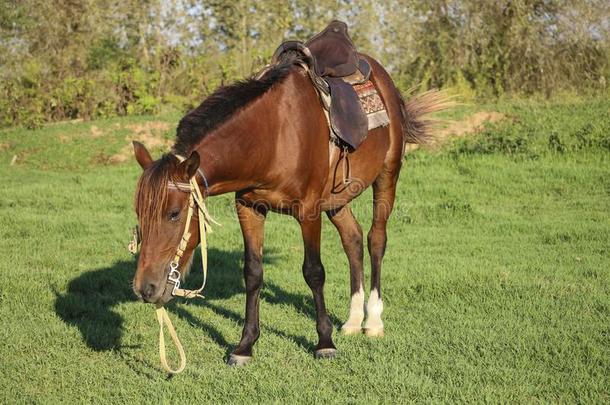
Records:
x=222, y=104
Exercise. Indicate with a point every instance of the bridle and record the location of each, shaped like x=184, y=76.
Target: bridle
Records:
x=195, y=203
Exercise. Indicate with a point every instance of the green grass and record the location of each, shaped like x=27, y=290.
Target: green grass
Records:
x=496, y=280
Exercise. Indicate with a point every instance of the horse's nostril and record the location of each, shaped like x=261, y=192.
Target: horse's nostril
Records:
x=148, y=291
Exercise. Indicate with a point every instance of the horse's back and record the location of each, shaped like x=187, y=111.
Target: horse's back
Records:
x=308, y=167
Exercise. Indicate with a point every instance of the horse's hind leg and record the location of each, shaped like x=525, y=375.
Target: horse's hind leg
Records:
x=252, y=227
x=351, y=237
x=384, y=193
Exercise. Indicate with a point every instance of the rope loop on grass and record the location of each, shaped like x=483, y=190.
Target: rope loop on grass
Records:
x=164, y=319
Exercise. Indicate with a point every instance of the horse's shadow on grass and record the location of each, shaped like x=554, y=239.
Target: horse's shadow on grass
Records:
x=91, y=297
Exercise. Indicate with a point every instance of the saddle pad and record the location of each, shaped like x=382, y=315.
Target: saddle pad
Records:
x=372, y=104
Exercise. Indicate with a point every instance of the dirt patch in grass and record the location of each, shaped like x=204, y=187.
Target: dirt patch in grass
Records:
x=472, y=124
x=149, y=133
x=63, y=138
x=96, y=132
x=469, y=126
x=149, y=127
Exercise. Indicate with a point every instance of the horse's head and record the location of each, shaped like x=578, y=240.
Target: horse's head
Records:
x=162, y=209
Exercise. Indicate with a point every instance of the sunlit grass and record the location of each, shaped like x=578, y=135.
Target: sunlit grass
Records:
x=496, y=280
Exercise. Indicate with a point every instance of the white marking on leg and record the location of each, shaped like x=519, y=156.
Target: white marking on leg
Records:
x=373, y=325
x=356, y=314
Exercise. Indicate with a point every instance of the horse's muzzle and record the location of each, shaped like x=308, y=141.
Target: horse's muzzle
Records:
x=153, y=290
x=148, y=291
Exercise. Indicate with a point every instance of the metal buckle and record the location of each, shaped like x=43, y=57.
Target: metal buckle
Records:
x=134, y=243
x=174, y=276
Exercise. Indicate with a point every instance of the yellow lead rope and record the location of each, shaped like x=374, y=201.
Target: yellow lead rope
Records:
x=163, y=318
x=195, y=198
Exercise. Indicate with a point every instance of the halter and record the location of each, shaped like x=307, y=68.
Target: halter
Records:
x=196, y=199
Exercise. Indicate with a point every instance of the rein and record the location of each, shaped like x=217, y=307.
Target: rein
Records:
x=196, y=202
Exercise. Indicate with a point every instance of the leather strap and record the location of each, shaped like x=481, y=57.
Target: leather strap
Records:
x=195, y=198
x=163, y=319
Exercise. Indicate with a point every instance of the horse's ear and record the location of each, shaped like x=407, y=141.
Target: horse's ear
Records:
x=142, y=155
x=191, y=164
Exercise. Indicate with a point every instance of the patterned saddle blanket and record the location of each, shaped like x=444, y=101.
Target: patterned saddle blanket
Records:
x=341, y=76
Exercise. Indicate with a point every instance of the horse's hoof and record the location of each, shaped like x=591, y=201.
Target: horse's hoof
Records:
x=351, y=330
x=237, y=360
x=373, y=332
x=325, y=353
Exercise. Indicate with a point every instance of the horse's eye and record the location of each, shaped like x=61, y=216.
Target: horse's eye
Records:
x=174, y=215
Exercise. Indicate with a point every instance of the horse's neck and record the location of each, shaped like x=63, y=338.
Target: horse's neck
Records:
x=233, y=155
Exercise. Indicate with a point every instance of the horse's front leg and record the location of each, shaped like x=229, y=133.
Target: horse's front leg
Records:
x=313, y=271
x=252, y=223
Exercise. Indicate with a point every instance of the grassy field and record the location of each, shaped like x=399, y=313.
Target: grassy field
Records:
x=496, y=280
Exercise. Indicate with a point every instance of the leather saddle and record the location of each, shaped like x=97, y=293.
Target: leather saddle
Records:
x=335, y=53
x=334, y=65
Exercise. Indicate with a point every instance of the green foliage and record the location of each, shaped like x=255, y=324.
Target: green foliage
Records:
x=98, y=58
x=508, y=142
x=568, y=128
x=104, y=52
x=501, y=47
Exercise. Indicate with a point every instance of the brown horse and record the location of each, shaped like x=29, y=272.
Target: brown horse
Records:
x=267, y=140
